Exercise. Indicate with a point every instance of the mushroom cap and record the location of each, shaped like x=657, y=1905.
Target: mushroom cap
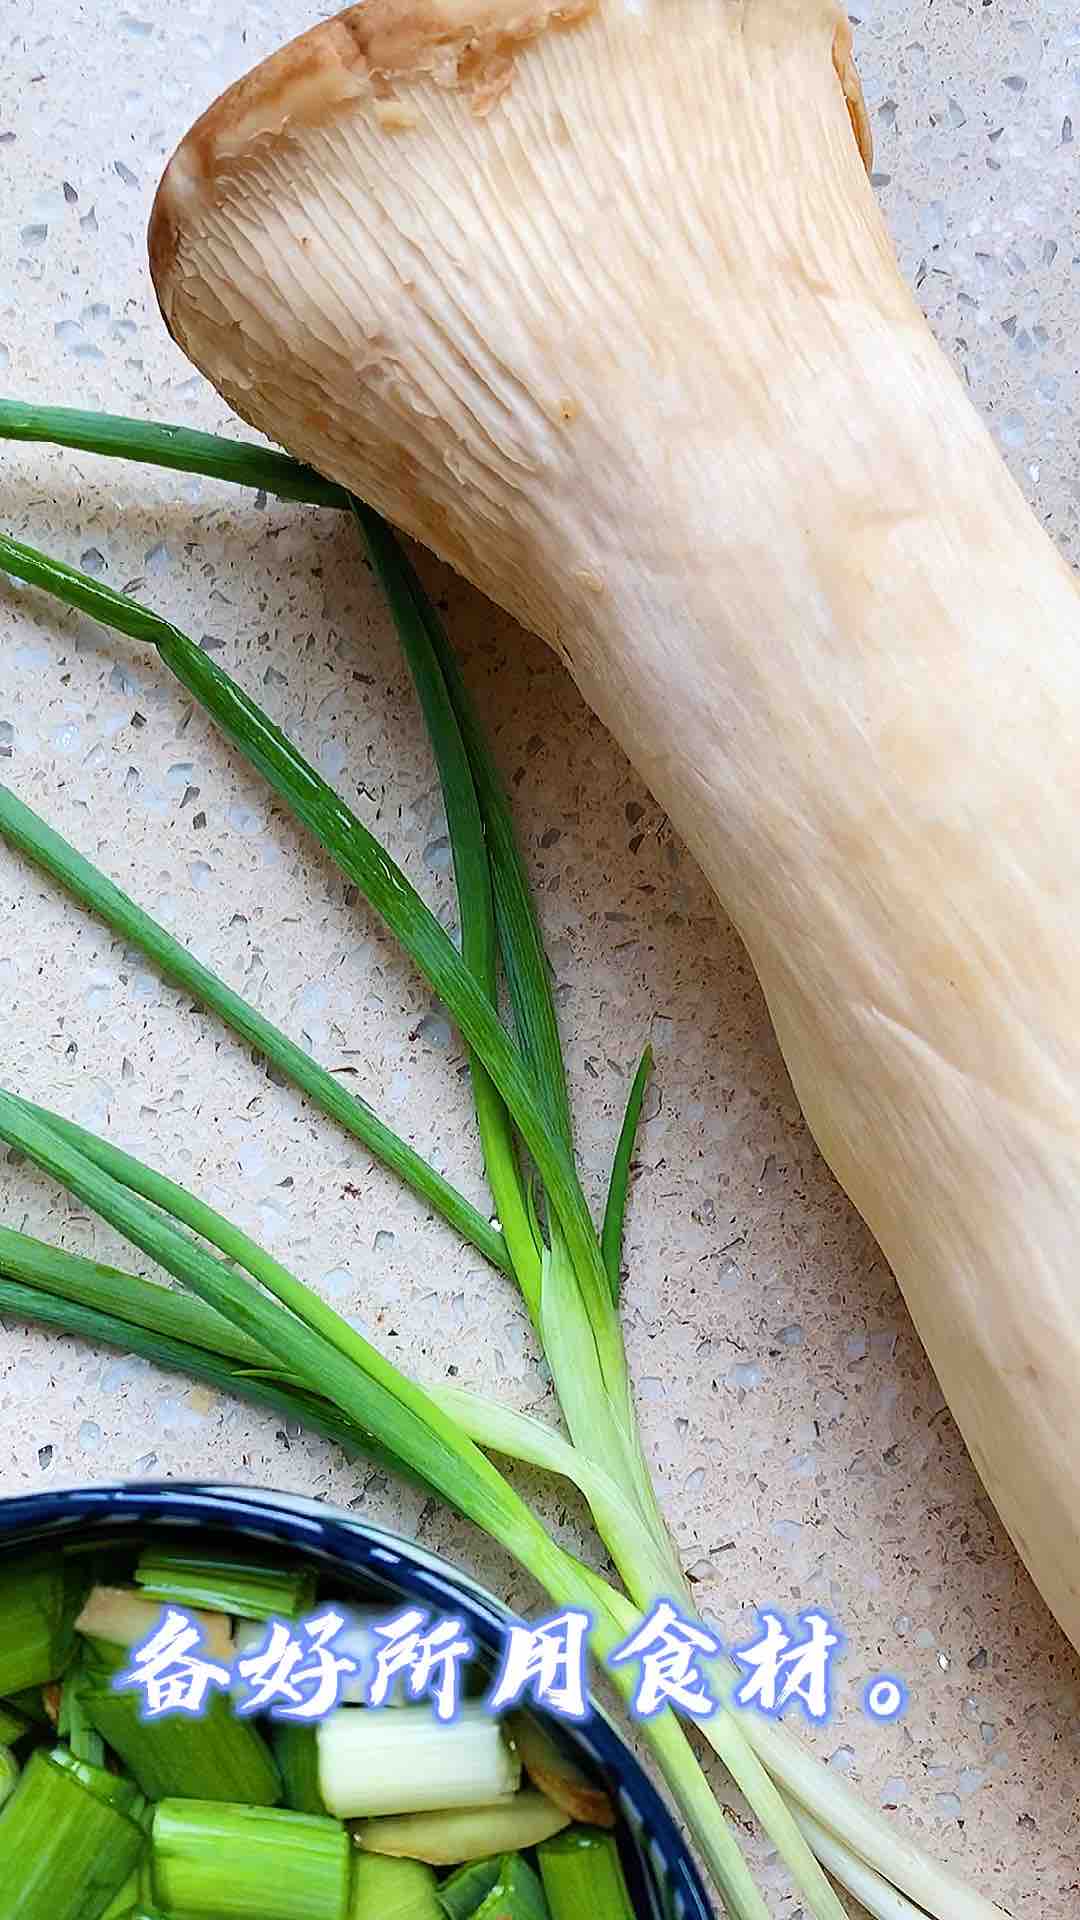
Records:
x=447, y=251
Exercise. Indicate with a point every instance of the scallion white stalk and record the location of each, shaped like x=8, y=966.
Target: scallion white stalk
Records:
x=373, y=1763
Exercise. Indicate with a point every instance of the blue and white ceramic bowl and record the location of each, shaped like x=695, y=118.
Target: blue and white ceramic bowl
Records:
x=377, y=1566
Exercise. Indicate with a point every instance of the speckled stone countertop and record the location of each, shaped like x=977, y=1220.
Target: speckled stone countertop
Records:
x=799, y=1437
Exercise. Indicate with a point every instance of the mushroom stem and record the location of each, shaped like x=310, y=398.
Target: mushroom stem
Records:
x=601, y=308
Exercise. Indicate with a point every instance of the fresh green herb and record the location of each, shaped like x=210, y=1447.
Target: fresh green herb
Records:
x=22, y=828
x=38, y=1605
x=12, y=1724
x=611, y=1238
x=248, y=1589
x=180, y=448
x=68, y=1840
x=518, y=1894
x=210, y=1756
x=252, y=1863
x=462, y=1892
x=296, y=1750
x=385, y=1889
x=582, y=1874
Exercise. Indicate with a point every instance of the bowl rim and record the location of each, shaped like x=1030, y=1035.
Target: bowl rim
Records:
x=334, y=1534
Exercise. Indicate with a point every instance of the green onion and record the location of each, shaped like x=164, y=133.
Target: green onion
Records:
x=521, y=946
x=225, y=1585
x=248, y=1863
x=404, y=1421
x=126, y=1902
x=67, y=1840
x=376, y=1763
x=168, y=1313
x=38, y=1604
x=385, y=1889
x=30, y=1703
x=23, y=829
x=73, y=1724
x=296, y=1750
x=387, y=889
x=611, y=1238
x=518, y=1895
x=12, y=1724
x=181, y=448
x=453, y=1834
x=9, y=1773
x=212, y=1756
x=582, y=1875
x=462, y=1892
x=473, y=880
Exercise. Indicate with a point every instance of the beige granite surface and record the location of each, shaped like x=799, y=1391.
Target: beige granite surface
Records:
x=801, y=1442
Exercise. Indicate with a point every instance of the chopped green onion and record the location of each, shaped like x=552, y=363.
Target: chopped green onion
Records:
x=9, y=1773
x=67, y=1840
x=454, y=1834
x=38, y=1604
x=127, y=1901
x=124, y=1617
x=465, y=1890
x=374, y=1763
x=30, y=1702
x=518, y=1895
x=583, y=1875
x=296, y=1750
x=12, y=1724
x=73, y=1723
x=212, y=1756
x=385, y=1889
x=248, y=1863
x=224, y=1585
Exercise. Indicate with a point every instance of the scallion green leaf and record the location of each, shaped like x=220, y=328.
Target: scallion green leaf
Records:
x=252, y=1863
x=475, y=906
x=385, y=1889
x=611, y=1238
x=22, y=828
x=388, y=891
x=582, y=1874
x=38, y=1604
x=67, y=1841
x=250, y=1590
x=180, y=448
